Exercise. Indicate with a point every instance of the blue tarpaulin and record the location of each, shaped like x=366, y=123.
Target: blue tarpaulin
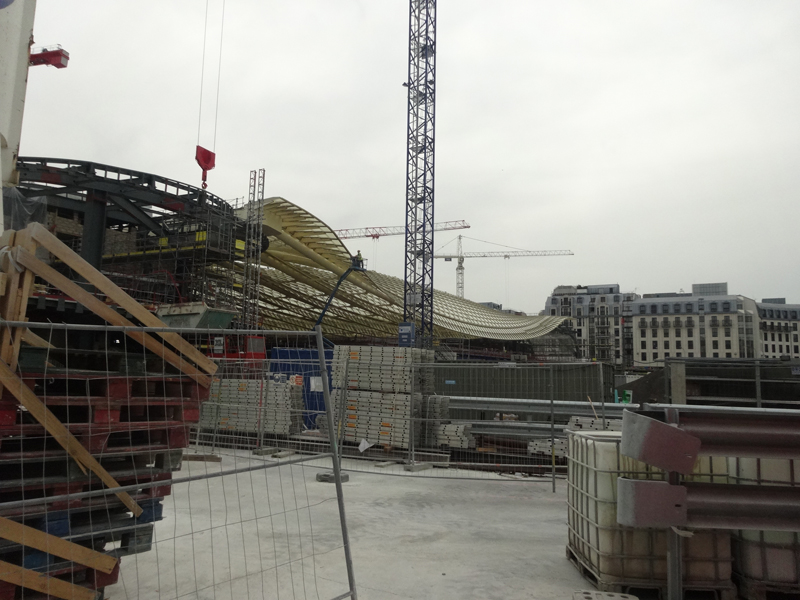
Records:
x=305, y=362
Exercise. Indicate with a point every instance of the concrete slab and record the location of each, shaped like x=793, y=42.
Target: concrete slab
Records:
x=417, y=467
x=328, y=477
x=413, y=537
x=266, y=451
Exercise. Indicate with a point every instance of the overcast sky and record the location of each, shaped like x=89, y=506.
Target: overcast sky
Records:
x=659, y=141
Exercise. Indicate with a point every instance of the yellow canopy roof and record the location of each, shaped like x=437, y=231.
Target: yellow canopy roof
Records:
x=306, y=258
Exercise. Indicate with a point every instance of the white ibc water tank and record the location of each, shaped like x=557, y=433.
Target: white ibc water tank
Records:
x=766, y=558
x=618, y=557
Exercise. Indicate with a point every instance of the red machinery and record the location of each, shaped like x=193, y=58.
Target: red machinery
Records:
x=54, y=56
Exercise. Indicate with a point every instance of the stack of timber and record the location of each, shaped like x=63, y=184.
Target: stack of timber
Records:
x=557, y=447
x=255, y=405
x=383, y=390
x=618, y=559
x=65, y=431
x=589, y=424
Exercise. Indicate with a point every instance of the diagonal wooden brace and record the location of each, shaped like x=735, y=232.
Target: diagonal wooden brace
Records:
x=116, y=294
x=54, y=427
x=46, y=542
x=54, y=588
x=104, y=311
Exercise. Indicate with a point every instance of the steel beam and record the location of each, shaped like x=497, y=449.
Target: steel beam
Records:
x=646, y=503
x=721, y=431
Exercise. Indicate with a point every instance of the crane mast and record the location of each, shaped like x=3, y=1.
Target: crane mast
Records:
x=418, y=287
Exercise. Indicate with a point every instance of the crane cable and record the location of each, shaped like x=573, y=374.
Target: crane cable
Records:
x=205, y=158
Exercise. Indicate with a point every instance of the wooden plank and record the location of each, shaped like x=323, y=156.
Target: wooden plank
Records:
x=34, y=340
x=46, y=542
x=40, y=582
x=116, y=294
x=23, y=240
x=101, y=309
x=54, y=427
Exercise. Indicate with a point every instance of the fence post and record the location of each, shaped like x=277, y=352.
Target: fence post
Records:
x=758, y=384
x=552, y=429
x=337, y=471
x=602, y=395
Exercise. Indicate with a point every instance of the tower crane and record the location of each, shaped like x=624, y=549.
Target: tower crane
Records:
x=377, y=232
x=421, y=84
x=460, y=255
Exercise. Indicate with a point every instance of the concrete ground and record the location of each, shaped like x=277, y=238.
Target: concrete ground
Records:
x=276, y=534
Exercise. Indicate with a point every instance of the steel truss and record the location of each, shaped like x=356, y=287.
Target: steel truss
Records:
x=418, y=296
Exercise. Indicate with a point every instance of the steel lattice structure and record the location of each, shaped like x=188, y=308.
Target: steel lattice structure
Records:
x=418, y=288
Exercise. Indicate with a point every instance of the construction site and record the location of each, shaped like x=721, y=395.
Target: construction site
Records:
x=209, y=398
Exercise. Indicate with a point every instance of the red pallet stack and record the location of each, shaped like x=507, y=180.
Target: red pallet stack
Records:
x=135, y=426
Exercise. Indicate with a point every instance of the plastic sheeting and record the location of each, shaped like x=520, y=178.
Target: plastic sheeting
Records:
x=23, y=211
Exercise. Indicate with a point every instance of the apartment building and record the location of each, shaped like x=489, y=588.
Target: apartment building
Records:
x=688, y=325
x=596, y=319
x=777, y=329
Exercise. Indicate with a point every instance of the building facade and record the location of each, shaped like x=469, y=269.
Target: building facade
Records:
x=596, y=316
x=777, y=328
x=685, y=325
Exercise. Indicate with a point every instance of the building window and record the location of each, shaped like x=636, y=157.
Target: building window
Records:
x=580, y=300
x=644, y=345
x=644, y=356
x=666, y=354
x=655, y=355
x=579, y=332
x=727, y=344
x=552, y=312
x=677, y=344
x=773, y=347
x=677, y=308
x=602, y=299
x=642, y=309
x=616, y=320
x=795, y=349
x=690, y=345
x=677, y=333
x=690, y=333
x=666, y=344
x=780, y=337
x=727, y=355
x=655, y=344
x=713, y=307
x=616, y=333
x=690, y=355
x=702, y=318
x=654, y=332
x=616, y=310
x=714, y=332
x=554, y=301
x=701, y=307
x=665, y=308
x=766, y=348
x=772, y=335
x=715, y=355
x=727, y=332
x=688, y=308
x=794, y=337
x=726, y=307
x=579, y=311
x=715, y=345
x=653, y=309
x=616, y=354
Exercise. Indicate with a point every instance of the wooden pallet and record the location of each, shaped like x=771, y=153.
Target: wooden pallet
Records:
x=649, y=589
x=751, y=589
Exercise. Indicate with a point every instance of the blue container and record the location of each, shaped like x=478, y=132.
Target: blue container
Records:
x=304, y=362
